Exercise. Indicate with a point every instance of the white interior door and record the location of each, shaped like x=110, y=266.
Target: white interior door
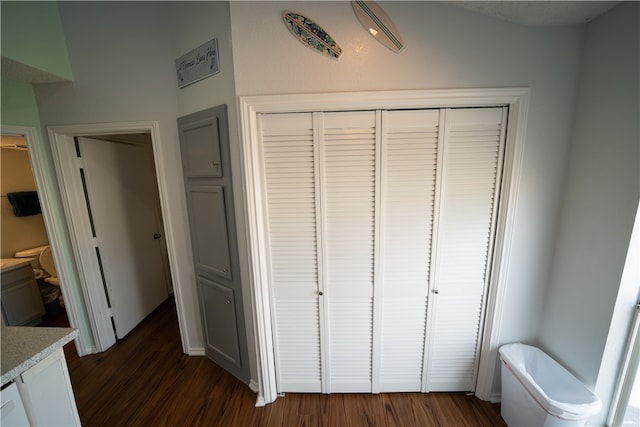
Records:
x=408, y=169
x=471, y=166
x=121, y=192
x=290, y=177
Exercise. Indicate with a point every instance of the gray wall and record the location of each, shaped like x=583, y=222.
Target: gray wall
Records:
x=600, y=197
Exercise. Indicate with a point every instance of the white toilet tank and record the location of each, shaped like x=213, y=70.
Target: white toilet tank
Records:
x=538, y=391
x=35, y=254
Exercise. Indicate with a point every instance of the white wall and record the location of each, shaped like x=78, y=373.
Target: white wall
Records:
x=446, y=47
x=600, y=197
x=123, y=67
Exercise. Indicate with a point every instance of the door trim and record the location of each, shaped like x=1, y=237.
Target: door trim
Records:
x=75, y=209
x=55, y=230
x=517, y=99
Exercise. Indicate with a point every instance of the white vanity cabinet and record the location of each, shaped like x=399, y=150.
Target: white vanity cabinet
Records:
x=35, y=369
x=11, y=407
x=47, y=394
x=21, y=301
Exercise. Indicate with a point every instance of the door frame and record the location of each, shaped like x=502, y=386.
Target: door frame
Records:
x=517, y=99
x=55, y=231
x=75, y=210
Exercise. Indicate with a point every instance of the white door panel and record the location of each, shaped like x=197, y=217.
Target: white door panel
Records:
x=471, y=159
x=289, y=179
x=121, y=191
x=409, y=158
x=348, y=155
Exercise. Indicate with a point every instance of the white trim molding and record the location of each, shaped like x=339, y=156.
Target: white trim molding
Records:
x=63, y=149
x=517, y=99
x=196, y=351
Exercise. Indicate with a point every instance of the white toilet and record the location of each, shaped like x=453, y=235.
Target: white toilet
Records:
x=43, y=264
x=44, y=269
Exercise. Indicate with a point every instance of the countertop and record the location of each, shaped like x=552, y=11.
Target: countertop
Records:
x=8, y=264
x=23, y=347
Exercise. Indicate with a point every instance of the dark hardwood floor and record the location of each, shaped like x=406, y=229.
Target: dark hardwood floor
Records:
x=146, y=380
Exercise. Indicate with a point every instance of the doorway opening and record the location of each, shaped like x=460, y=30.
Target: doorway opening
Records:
x=123, y=207
x=25, y=244
x=114, y=204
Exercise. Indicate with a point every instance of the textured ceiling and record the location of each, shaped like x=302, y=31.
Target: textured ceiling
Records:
x=540, y=13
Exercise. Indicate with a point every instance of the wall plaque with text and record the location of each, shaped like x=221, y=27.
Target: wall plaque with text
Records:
x=198, y=64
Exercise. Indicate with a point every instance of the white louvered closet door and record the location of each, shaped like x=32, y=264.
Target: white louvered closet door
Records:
x=409, y=156
x=379, y=234
x=348, y=150
x=471, y=165
x=290, y=181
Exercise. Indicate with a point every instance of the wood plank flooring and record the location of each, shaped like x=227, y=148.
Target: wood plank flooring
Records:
x=146, y=380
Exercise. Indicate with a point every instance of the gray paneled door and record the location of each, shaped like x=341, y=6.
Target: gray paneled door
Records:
x=204, y=143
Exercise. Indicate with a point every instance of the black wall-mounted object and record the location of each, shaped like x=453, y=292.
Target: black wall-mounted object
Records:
x=24, y=203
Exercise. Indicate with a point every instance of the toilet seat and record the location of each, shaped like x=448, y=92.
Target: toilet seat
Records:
x=52, y=281
x=32, y=252
x=47, y=263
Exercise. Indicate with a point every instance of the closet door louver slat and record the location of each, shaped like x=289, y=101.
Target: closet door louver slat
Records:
x=410, y=145
x=473, y=144
x=348, y=159
x=288, y=151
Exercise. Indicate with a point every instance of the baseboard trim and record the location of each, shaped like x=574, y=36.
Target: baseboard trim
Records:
x=198, y=351
x=253, y=385
x=495, y=398
x=260, y=402
x=85, y=351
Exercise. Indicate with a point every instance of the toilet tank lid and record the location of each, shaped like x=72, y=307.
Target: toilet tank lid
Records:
x=33, y=252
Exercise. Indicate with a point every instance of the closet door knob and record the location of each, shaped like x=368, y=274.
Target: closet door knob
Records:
x=435, y=291
x=320, y=293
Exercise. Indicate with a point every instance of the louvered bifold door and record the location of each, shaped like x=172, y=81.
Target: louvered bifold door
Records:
x=409, y=156
x=463, y=237
x=348, y=159
x=290, y=181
